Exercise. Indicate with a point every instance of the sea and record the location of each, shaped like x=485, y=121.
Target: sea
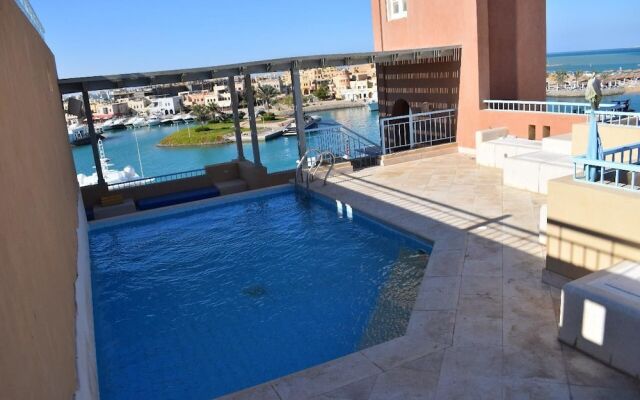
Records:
x=594, y=61
x=138, y=147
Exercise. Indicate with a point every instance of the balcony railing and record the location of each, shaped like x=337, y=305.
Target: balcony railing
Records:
x=549, y=107
x=630, y=119
x=620, y=168
x=417, y=130
x=342, y=142
x=156, y=179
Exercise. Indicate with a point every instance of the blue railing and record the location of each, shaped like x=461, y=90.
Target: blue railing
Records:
x=620, y=168
x=157, y=179
x=27, y=10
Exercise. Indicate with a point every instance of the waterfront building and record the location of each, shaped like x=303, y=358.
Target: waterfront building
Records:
x=138, y=105
x=168, y=105
x=471, y=163
x=191, y=98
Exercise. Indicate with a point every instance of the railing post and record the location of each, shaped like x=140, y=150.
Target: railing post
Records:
x=382, y=137
x=412, y=130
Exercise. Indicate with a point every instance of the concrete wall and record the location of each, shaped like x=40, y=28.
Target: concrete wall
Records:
x=590, y=228
x=611, y=136
x=38, y=221
x=503, y=49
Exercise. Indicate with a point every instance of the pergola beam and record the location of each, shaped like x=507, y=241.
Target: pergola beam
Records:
x=108, y=82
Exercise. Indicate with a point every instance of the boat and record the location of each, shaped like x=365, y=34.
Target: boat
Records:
x=136, y=122
x=118, y=124
x=188, y=118
x=112, y=177
x=373, y=103
x=107, y=125
x=177, y=119
x=153, y=121
x=310, y=121
x=79, y=135
x=166, y=121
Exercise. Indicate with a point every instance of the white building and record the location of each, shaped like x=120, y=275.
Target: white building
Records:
x=165, y=105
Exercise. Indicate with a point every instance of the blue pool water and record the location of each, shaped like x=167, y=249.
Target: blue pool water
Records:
x=203, y=302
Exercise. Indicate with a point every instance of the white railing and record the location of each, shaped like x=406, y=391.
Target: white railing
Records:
x=620, y=168
x=342, y=142
x=417, y=130
x=630, y=119
x=549, y=107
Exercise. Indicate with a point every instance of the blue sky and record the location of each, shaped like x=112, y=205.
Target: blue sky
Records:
x=135, y=35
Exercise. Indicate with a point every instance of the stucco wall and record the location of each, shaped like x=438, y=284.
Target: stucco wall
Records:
x=611, y=136
x=492, y=65
x=38, y=221
x=518, y=122
x=590, y=228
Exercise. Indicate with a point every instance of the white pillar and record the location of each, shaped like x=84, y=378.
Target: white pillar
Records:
x=248, y=89
x=231, y=83
x=92, y=134
x=298, y=111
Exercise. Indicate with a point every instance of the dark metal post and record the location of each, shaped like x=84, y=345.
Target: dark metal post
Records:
x=231, y=83
x=252, y=119
x=298, y=111
x=92, y=134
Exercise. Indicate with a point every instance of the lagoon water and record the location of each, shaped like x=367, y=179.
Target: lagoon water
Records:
x=277, y=155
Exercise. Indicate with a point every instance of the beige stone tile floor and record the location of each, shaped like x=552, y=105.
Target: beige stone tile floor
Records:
x=484, y=326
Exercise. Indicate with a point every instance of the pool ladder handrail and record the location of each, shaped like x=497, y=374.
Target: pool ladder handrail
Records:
x=313, y=169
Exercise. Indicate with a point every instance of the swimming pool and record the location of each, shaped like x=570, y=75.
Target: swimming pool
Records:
x=203, y=300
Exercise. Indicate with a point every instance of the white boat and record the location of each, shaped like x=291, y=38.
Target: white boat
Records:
x=118, y=124
x=177, y=119
x=111, y=177
x=372, y=103
x=79, y=135
x=309, y=122
x=153, y=121
x=188, y=118
x=137, y=122
x=107, y=125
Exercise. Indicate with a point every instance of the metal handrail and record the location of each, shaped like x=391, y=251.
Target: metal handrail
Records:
x=300, y=164
x=314, y=169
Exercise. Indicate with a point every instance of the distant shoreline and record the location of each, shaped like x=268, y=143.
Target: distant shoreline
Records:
x=605, y=92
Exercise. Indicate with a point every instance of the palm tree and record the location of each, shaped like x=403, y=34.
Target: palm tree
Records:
x=560, y=77
x=200, y=111
x=576, y=77
x=213, y=109
x=266, y=93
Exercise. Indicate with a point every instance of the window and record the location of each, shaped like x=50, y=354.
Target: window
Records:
x=396, y=9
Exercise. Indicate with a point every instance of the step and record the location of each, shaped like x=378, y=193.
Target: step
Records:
x=560, y=144
x=533, y=171
x=494, y=152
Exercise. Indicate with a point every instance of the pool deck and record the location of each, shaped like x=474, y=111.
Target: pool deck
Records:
x=484, y=325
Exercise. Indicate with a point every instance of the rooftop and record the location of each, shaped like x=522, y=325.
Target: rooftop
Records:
x=484, y=325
